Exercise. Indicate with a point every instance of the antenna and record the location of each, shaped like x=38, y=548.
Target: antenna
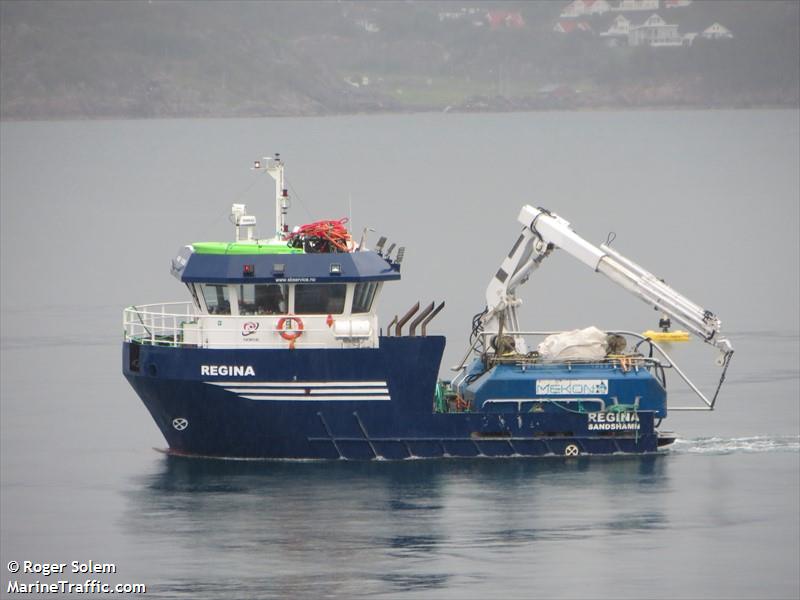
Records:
x=380, y=244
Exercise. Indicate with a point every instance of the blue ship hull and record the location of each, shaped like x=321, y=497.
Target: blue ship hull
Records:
x=361, y=404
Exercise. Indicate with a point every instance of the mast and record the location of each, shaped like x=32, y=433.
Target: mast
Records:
x=274, y=167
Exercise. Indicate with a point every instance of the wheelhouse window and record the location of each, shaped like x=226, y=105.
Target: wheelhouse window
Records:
x=363, y=296
x=319, y=298
x=216, y=297
x=263, y=299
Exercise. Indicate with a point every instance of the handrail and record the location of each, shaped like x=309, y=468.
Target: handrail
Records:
x=152, y=321
x=709, y=404
x=520, y=401
x=164, y=324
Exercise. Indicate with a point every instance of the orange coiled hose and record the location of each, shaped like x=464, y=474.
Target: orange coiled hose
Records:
x=334, y=231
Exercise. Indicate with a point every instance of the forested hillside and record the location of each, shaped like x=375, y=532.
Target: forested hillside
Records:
x=173, y=59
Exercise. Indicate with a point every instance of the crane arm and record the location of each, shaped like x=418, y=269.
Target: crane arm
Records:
x=543, y=232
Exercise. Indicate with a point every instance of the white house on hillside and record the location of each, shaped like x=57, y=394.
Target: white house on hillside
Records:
x=655, y=32
x=368, y=26
x=572, y=26
x=619, y=26
x=581, y=8
x=717, y=32
x=617, y=33
x=624, y=5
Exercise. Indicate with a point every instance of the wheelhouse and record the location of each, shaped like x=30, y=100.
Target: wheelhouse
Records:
x=314, y=287
x=271, y=300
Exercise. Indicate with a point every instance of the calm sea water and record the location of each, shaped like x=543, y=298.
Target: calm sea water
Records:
x=93, y=211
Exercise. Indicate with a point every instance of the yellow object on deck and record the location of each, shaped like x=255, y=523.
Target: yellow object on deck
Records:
x=667, y=336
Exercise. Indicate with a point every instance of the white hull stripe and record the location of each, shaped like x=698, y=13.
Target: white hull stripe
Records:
x=309, y=391
x=316, y=398
x=300, y=384
x=305, y=391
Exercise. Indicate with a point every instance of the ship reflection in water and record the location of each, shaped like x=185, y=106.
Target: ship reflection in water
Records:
x=424, y=528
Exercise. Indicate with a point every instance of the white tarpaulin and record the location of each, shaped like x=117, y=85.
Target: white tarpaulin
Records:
x=579, y=344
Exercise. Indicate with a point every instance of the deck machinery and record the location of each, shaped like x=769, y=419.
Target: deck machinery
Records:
x=582, y=372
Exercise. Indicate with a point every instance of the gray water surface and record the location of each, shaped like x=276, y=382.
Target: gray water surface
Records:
x=91, y=213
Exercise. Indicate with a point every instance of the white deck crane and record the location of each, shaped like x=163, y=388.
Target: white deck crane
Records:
x=545, y=231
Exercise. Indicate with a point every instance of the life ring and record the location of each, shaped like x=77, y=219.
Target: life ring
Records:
x=294, y=331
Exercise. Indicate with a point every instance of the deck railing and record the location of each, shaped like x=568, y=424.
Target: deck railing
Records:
x=665, y=362
x=157, y=323
x=180, y=324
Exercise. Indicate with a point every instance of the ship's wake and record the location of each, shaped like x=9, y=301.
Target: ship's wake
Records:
x=748, y=445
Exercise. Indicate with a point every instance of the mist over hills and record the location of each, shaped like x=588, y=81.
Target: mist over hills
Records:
x=226, y=59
